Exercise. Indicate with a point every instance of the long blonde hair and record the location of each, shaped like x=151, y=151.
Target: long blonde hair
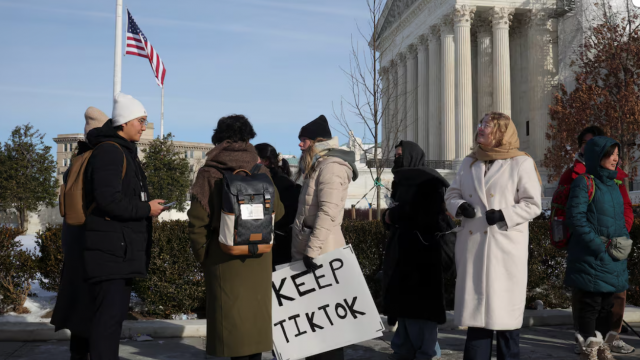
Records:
x=306, y=166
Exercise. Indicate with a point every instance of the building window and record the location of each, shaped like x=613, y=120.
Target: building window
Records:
x=64, y=161
x=186, y=154
x=191, y=154
x=65, y=147
x=191, y=168
x=204, y=154
x=527, y=128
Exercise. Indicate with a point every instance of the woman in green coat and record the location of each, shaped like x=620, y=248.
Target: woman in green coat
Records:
x=592, y=273
x=238, y=287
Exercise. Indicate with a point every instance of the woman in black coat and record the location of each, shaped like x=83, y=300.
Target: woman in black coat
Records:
x=289, y=193
x=413, y=276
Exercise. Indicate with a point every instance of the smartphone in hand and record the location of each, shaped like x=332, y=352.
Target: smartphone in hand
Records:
x=169, y=204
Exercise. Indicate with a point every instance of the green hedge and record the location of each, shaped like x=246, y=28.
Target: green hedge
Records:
x=176, y=285
x=49, y=263
x=17, y=270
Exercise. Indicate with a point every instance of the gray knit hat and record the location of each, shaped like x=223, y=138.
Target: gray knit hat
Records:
x=94, y=118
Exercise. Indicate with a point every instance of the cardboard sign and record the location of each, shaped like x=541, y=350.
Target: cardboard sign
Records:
x=314, y=312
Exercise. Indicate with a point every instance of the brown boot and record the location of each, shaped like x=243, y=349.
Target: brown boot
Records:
x=590, y=347
x=604, y=351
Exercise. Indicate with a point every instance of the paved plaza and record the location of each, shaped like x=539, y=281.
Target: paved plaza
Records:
x=553, y=342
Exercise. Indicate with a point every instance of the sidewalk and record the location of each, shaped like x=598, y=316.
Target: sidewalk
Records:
x=551, y=342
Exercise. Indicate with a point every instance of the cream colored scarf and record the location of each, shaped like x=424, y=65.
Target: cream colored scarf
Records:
x=509, y=148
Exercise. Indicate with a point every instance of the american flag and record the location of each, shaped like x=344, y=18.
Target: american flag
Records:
x=139, y=45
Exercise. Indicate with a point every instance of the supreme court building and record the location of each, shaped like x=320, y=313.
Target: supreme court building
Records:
x=445, y=63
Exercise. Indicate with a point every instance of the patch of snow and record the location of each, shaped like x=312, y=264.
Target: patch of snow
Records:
x=28, y=242
x=38, y=305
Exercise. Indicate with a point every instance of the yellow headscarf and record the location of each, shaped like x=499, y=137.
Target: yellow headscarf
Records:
x=509, y=148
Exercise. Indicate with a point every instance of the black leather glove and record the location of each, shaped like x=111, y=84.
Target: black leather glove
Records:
x=465, y=209
x=309, y=264
x=494, y=216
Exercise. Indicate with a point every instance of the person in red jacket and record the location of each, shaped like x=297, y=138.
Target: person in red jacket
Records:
x=566, y=179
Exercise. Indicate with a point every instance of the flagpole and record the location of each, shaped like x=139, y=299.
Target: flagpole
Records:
x=117, y=65
x=162, y=115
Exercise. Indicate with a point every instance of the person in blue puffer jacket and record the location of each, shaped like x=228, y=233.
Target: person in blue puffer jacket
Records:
x=592, y=273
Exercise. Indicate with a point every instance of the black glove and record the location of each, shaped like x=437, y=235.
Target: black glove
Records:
x=465, y=209
x=309, y=264
x=494, y=217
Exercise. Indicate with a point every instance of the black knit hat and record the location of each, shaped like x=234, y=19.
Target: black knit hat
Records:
x=318, y=128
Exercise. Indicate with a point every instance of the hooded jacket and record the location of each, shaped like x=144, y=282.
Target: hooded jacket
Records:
x=412, y=270
x=118, y=231
x=589, y=266
x=579, y=168
x=317, y=227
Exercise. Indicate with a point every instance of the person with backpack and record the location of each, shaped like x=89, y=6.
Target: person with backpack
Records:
x=237, y=272
x=289, y=193
x=117, y=242
x=413, y=273
x=558, y=205
x=598, y=247
x=496, y=192
x=327, y=172
x=73, y=308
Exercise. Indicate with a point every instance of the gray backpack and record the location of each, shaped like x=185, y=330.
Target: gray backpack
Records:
x=247, y=216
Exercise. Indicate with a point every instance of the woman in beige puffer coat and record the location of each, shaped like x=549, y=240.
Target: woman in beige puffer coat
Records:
x=327, y=172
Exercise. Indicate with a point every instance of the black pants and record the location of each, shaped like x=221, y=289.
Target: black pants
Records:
x=248, y=357
x=337, y=354
x=480, y=342
x=593, y=312
x=110, y=300
x=79, y=347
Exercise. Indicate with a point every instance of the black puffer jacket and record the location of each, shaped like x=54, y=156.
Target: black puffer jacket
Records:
x=412, y=270
x=118, y=231
x=289, y=193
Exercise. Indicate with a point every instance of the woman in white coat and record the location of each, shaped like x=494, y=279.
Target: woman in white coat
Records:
x=496, y=192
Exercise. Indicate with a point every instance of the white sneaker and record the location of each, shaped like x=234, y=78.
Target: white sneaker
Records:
x=621, y=347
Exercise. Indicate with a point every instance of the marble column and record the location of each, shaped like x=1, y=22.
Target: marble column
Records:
x=384, y=108
x=392, y=109
x=501, y=18
x=542, y=72
x=485, y=66
x=401, y=96
x=448, y=80
x=412, y=92
x=434, y=130
x=423, y=93
x=464, y=91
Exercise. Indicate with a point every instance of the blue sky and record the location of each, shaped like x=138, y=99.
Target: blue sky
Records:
x=276, y=61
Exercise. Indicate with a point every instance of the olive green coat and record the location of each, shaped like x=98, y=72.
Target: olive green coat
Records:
x=238, y=300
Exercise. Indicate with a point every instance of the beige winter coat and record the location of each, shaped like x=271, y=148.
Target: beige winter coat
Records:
x=317, y=227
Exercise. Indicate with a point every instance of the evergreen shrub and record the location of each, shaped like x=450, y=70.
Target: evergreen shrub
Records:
x=49, y=263
x=175, y=283
x=17, y=270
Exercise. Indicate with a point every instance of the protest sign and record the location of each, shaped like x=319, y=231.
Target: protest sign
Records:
x=314, y=312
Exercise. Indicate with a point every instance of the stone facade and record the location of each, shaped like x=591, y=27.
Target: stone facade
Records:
x=474, y=57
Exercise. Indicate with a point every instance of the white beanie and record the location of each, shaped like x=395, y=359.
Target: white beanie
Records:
x=125, y=109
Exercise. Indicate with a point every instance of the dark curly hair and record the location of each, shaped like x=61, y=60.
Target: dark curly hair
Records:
x=235, y=128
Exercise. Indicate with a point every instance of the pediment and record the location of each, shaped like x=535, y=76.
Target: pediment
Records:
x=393, y=12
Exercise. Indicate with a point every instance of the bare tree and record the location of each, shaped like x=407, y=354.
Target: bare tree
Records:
x=374, y=98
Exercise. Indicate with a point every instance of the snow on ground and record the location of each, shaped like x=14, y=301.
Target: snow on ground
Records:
x=38, y=305
x=28, y=242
